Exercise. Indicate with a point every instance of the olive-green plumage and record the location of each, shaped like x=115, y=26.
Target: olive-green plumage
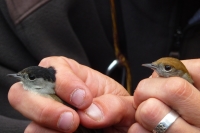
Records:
x=170, y=67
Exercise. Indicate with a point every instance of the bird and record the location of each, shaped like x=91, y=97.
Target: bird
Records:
x=170, y=67
x=42, y=81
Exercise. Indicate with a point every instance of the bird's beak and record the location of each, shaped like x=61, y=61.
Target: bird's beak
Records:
x=17, y=76
x=150, y=65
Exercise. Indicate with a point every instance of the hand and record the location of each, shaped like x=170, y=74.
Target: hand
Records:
x=101, y=102
x=155, y=97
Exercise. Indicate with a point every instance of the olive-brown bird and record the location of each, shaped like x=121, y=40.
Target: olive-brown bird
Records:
x=170, y=67
x=42, y=81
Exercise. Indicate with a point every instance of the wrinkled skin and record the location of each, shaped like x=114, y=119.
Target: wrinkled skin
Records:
x=95, y=91
x=116, y=110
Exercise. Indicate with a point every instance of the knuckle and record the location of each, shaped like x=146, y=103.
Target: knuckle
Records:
x=14, y=96
x=43, y=116
x=150, y=110
x=31, y=128
x=177, y=87
x=46, y=59
x=61, y=58
x=198, y=63
x=48, y=116
x=35, y=128
x=139, y=89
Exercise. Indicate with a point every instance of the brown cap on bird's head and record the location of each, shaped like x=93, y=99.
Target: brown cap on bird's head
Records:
x=176, y=63
x=170, y=67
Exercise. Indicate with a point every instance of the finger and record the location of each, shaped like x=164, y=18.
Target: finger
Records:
x=35, y=128
x=152, y=111
x=108, y=110
x=39, y=109
x=193, y=67
x=175, y=92
x=154, y=75
x=73, y=81
x=69, y=87
x=137, y=128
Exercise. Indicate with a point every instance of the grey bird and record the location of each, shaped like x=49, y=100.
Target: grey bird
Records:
x=42, y=80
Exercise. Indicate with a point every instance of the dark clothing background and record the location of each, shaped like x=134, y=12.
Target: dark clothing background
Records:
x=82, y=30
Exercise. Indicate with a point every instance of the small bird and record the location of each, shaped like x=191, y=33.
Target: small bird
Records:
x=42, y=81
x=170, y=67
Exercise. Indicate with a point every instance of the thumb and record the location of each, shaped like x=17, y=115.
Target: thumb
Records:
x=108, y=110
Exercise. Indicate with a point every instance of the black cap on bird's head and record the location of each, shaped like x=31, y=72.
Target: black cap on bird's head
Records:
x=36, y=78
x=36, y=72
x=42, y=80
x=40, y=72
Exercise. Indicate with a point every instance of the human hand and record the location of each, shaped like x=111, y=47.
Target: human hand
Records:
x=101, y=101
x=155, y=97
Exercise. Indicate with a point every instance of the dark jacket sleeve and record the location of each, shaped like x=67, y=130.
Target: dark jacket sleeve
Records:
x=10, y=125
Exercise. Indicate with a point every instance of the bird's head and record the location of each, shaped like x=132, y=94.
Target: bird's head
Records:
x=37, y=79
x=170, y=67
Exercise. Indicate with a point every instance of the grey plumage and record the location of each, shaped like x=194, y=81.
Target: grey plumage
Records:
x=42, y=81
x=170, y=67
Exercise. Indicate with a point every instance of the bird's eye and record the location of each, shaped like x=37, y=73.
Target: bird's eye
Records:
x=31, y=76
x=168, y=67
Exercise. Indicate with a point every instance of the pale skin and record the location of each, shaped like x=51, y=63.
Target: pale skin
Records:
x=119, y=112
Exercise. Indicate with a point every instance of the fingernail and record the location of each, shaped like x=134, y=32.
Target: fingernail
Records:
x=77, y=97
x=65, y=121
x=94, y=112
